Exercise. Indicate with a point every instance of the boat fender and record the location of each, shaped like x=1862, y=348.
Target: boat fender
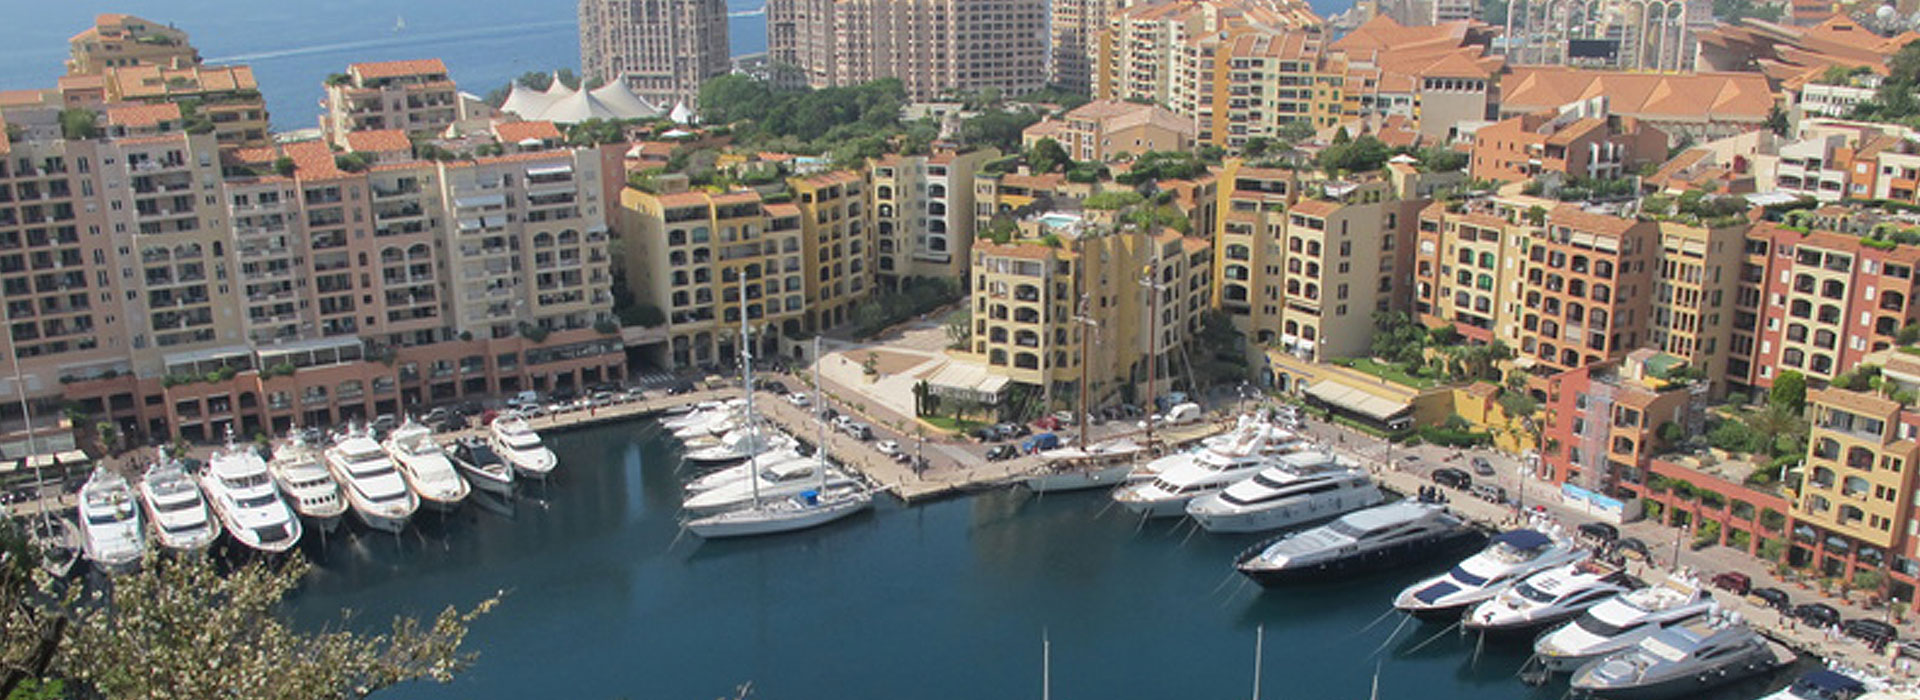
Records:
x=1702, y=679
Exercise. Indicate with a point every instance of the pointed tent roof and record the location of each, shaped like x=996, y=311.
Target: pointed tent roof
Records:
x=618, y=97
x=681, y=114
x=526, y=102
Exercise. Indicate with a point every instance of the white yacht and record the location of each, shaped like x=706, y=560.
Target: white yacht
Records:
x=1073, y=469
x=740, y=444
x=179, y=512
x=375, y=489
x=1827, y=684
x=426, y=467
x=110, y=523
x=702, y=413
x=711, y=424
x=1298, y=488
x=1685, y=660
x=775, y=481
x=514, y=440
x=1274, y=440
x=245, y=498
x=304, y=481
x=1621, y=622
x=1512, y=556
x=1208, y=470
x=738, y=472
x=1549, y=597
x=1391, y=536
x=484, y=468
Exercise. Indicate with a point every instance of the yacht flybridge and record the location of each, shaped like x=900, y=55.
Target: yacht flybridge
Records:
x=1549, y=597
x=426, y=467
x=375, y=489
x=1298, y=488
x=181, y=519
x=514, y=440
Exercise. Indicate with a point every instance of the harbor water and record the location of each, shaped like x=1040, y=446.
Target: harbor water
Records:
x=948, y=600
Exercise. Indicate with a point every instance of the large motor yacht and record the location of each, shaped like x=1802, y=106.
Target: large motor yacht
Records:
x=1549, y=597
x=1512, y=556
x=426, y=467
x=1209, y=470
x=1299, y=488
x=303, y=479
x=1392, y=536
x=1827, y=684
x=181, y=519
x=1621, y=622
x=110, y=523
x=375, y=489
x=514, y=440
x=1683, y=661
x=1252, y=434
x=249, y=505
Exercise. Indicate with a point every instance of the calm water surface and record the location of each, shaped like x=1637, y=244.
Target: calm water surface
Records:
x=943, y=601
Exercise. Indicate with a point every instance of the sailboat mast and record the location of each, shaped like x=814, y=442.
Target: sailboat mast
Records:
x=1046, y=666
x=819, y=410
x=746, y=379
x=1259, y=640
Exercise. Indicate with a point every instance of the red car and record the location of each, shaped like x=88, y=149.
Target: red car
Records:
x=1733, y=581
x=1047, y=423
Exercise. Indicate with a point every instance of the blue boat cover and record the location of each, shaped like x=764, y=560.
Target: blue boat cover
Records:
x=1824, y=679
x=1435, y=592
x=810, y=496
x=1523, y=539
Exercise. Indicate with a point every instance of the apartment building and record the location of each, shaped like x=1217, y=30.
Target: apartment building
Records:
x=1695, y=281
x=1601, y=427
x=1853, y=503
x=120, y=40
x=662, y=50
x=1830, y=300
x=1041, y=311
x=935, y=47
x=923, y=221
x=1103, y=129
x=1073, y=28
x=1440, y=76
x=223, y=99
x=1139, y=54
x=706, y=259
x=1247, y=83
x=1579, y=140
x=836, y=236
x=417, y=97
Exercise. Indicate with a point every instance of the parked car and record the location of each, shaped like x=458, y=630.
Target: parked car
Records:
x=840, y=422
x=563, y=396
x=383, y=423
x=1043, y=441
x=1000, y=452
x=1631, y=547
x=1817, y=614
x=888, y=447
x=636, y=394
x=1065, y=417
x=1013, y=430
x=1490, y=493
x=800, y=400
x=986, y=435
x=1910, y=649
x=1773, y=598
x=452, y=423
x=602, y=398
x=1601, y=533
x=902, y=458
x=680, y=387
x=1452, y=478
x=1870, y=631
x=1482, y=467
x=1048, y=423
x=771, y=385
x=435, y=416
x=1733, y=581
x=532, y=410
x=860, y=432
x=524, y=398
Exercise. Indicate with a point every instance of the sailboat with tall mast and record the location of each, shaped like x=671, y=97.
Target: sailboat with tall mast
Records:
x=804, y=510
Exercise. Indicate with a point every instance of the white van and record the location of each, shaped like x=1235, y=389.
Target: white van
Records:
x=1180, y=414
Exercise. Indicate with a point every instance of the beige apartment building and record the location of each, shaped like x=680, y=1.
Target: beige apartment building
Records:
x=663, y=50
x=923, y=218
x=1074, y=28
x=836, y=230
x=1102, y=129
x=1138, y=54
x=128, y=59
x=935, y=47
x=417, y=97
x=119, y=41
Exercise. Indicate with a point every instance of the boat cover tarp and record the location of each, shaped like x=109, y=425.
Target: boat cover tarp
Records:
x=1831, y=681
x=1523, y=539
x=1436, y=591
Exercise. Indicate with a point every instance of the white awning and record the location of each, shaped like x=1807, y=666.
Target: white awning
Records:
x=968, y=379
x=1356, y=400
x=72, y=457
x=561, y=169
x=40, y=462
x=481, y=200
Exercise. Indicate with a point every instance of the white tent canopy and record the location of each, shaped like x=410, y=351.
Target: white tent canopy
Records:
x=563, y=105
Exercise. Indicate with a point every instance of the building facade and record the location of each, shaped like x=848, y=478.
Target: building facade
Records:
x=935, y=48
x=663, y=50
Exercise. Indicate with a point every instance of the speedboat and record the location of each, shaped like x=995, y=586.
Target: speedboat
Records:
x=1208, y=471
x=807, y=509
x=305, y=483
x=738, y=445
x=484, y=469
x=179, y=512
x=426, y=467
x=738, y=472
x=1074, y=469
x=1251, y=435
x=1512, y=556
x=1299, y=488
x=1826, y=684
x=514, y=440
x=110, y=522
x=249, y=505
x=1391, y=536
x=376, y=491
x=779, y=480
x=1621, y=622
x=1549, y=597
x=1682, y=661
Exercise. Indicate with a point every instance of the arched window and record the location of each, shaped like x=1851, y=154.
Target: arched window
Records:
x=936, y=190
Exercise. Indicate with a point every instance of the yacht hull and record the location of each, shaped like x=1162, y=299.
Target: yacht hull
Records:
x=1167, y=507
x=1693, y=684
x=1079, y=480
x=327, y=524
x=1519, y=628
x=482, y=481
x=1363, y=563
x=730, y=525
x=382, y=523
x=1293, y=514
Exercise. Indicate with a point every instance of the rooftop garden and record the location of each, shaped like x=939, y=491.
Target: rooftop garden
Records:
x=1696, y=208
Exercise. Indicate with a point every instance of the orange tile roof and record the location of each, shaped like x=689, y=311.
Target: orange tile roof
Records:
x=397, y=69
x=313, y=160
x=1857, y=401
x=1031, y=251
x=139, y=115
x=683, y=199
x=517, y=132
x=379, y=140
x=1048, y=181
x=1314, y=207
x=1572, y=216
x=783, y=209
x=1743, y=97
x=22, y=98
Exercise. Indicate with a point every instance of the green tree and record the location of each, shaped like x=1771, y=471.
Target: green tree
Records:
x=1256, y=147
x=734, y=97
x=1358, y=155
x=997, y=129
x=1047, y=155
x=1295, y=132
x=1154, y=166
x=77, y=124
x=1789, y=390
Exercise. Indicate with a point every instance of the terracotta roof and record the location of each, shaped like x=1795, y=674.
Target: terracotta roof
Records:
x=1743, y=97
x=1044, y=128
x=1855, y=401
x=1048, y=181
x=783, y=209
x=22, y=98
x=313, y=160
x=142, y=115
x=1194, y=245
x=1572, y=216
x=380, y=140
x=1031, y=251
x=396, y=69
x=146, y=81
x=1314, y=207
x=683, y=199
x=516, y=132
